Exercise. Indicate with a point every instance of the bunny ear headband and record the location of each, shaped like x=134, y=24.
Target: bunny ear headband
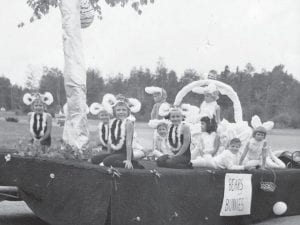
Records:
x=110, y=101
x=155, y=123
x=256, y=123
x=151, y=90
x=96, y=108
x=46, y=98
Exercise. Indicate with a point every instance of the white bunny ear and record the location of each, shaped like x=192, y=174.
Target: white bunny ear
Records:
x=108, y=102
x=47, y=98
x=164, y=109
x=28, y=99
x=95, y=108
x=198, y=90
x=268, y=125
x=256, y=122
x=134, y=105
x=87, y=109
x=151, y=90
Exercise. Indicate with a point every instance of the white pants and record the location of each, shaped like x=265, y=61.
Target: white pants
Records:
x=205, y=161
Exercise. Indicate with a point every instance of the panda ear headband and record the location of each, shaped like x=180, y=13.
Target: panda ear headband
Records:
x=110, y=101
x=46, y=98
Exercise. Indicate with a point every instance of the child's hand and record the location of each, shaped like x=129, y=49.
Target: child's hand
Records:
x=128, y=164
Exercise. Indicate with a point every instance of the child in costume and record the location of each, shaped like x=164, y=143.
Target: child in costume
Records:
x=257, y=153
x=120, y=136
x=179, y=141
x=159, y=96
x=228, y=159
x=40, y=121
x=103, y=127
x=161, y=146
x=209, y=141
x=209, y=106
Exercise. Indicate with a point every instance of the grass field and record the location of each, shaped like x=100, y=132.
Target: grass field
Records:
x=17, y=213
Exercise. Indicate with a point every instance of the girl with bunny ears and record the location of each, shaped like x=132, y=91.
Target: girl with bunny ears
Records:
x=159, y=96
x=179, y=140
x=120, y=134
x=257, y=153
x=40, y=122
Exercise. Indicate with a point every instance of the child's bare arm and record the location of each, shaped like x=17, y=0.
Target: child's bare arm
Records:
x=218, y=114
x=216, y=145
x=186, y=140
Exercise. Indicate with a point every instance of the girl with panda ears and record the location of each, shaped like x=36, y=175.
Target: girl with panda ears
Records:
x=40, y=122
x=119, y=139
x=179, y=139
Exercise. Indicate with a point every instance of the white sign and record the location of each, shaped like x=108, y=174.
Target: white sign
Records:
x=237, y=195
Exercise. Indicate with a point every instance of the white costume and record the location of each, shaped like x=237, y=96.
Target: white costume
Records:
x=161, y=147
x=208, y=109
x=225, y=160
x=206, y=144
x=254, y=156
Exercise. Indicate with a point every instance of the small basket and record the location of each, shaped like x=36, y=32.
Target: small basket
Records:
x=268, y=186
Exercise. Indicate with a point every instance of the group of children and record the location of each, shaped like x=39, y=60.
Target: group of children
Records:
x=172, y=139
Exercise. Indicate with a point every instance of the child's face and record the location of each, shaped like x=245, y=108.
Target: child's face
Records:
x=203, y=126
x=104, y=116
x=234, y=147
x=259, y=136
x=162, y=131
x=121, y=112
x=38, y=107
x=208, y=97
x=157, y=97
x=175, y=117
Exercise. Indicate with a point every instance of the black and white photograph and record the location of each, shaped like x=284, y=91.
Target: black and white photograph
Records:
x=150, y=112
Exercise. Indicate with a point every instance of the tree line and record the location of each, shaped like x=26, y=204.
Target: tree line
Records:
x=272, y=95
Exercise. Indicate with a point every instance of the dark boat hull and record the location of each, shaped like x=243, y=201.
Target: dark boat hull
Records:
x=84, y=194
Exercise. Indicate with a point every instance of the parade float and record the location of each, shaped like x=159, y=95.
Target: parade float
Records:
x=67, y=192
x=61, y=191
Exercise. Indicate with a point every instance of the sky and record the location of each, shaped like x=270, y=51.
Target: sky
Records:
x=201, y=35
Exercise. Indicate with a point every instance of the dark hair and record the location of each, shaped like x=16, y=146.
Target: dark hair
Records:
x=211, y=125
x=235, y=141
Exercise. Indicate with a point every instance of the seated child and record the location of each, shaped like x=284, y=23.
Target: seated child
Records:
x=40, y=121
x=179, y=141
x=160, y=146
x=120, y=137
x=209, y=140
x=103, y=127
x=256, y=153
x=228, y=159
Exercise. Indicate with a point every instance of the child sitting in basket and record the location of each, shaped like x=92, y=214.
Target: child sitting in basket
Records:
x=40, y=121
x=257, y=153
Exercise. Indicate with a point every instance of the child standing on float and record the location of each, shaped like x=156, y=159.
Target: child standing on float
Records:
x=40, y=122
x=120, y=137
x=179, y=141
x=160, y=97
x=209, y=107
